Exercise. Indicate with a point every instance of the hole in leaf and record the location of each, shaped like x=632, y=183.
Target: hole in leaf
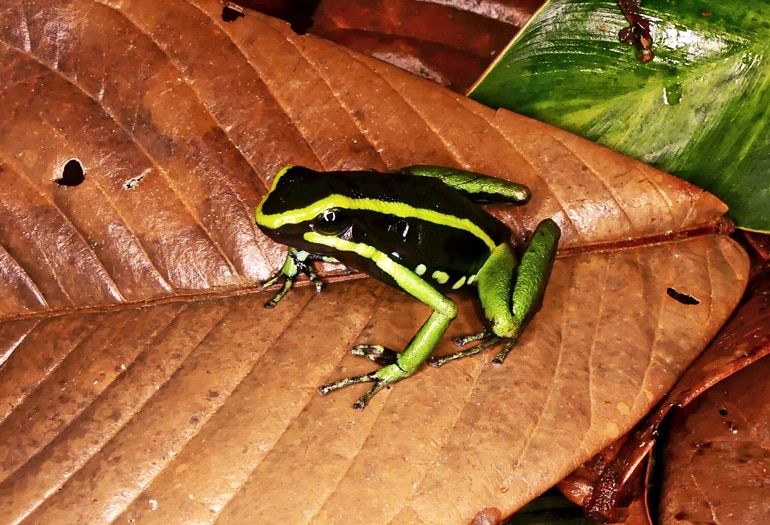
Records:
x=133, y=182
x=681, y=297
x=231, y=12
x=72, y=174
x=722, y=411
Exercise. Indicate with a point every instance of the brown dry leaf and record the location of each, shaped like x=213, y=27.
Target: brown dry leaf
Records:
x=448, y=42
x=718, y=455
x=603, y=483
x=142, y=380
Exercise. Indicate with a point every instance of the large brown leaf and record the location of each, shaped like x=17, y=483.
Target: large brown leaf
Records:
x=143, y=381
x=604, y=484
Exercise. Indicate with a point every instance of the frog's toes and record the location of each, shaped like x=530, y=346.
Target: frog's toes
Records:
x=347, y=381
x=376, y=353
x=381, y=378
x=465, y=339
x=499, y=358
x=486, y=342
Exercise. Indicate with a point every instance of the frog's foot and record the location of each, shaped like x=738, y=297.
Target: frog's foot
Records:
x=487, y=338
x=381, y=378
x=485, y=334
x=288, y=282
x=376, y=353
x=297, y=262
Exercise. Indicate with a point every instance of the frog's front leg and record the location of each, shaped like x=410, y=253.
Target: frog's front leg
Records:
x=511, y=292
x=297, y=262
x=406, y=363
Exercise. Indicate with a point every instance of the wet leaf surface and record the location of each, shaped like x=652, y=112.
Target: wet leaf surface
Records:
x=697, y=109
x=143, y=381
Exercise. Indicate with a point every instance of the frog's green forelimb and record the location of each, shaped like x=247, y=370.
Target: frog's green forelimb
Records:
x=475, y=186
x=297, y=261
x=421, y=345
x=407, y=363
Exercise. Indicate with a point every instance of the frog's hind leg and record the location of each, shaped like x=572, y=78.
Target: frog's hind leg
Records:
x=511, y=292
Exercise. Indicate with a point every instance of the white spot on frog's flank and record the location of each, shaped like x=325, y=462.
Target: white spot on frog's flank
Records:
x=440, y=277
x=421, y=269
x=471, y=279
x=153, y=504
x=459, y=283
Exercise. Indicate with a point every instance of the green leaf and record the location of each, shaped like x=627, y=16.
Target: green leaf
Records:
x=698, y=110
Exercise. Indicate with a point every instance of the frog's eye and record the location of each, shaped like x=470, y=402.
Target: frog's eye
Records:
x=330, y=222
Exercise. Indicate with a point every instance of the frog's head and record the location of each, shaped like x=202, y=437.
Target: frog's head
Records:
x=300, y=201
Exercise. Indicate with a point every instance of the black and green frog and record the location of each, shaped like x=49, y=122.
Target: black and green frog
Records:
x=420, y=229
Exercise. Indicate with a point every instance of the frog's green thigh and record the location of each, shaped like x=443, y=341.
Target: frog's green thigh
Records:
x=494, y=281
x=535, y=271
x=422, y=344
x=510, y=292
x=509, y=310
x=508, y=319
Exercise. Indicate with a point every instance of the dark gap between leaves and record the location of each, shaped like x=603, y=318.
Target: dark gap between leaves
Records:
x=299, y=13
x=231, y=12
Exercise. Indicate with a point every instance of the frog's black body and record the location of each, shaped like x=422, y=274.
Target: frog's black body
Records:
x=410, y=241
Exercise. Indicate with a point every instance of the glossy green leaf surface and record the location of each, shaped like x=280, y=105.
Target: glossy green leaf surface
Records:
x=698, y=109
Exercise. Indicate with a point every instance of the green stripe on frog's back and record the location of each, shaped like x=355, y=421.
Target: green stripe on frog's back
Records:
x=299, y=194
